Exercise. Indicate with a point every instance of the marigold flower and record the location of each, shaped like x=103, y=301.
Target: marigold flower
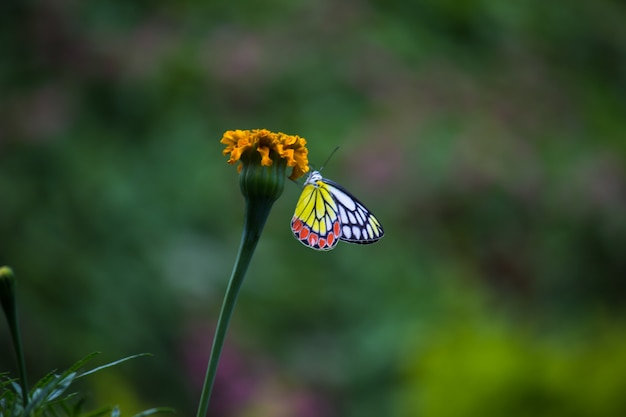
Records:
x=264, y=157
x=271, y=146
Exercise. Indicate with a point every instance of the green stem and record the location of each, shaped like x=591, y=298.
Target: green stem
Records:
x=257, y=211
x=21, y=361
x=9, y=305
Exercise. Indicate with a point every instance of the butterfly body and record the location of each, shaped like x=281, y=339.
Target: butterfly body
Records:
x=327, y=213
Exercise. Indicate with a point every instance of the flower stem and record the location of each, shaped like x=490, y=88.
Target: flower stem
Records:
x=8, y=301
x=257, y=211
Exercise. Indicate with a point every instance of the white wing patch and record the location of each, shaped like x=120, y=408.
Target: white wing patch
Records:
x=358, y=224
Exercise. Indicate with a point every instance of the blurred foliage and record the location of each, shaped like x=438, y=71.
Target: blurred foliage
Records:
x=484, y=366
x=487, y=136
x=50, y=397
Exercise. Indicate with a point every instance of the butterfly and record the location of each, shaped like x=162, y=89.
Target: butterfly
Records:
x=327, y=213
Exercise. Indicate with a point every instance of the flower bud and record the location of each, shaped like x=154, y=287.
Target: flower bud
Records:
x=258, y=181
x=7, y=292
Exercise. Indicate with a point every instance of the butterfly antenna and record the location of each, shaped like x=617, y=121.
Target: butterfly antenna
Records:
x=328, y=159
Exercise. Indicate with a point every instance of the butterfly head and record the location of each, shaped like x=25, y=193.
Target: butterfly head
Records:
x=313, y=178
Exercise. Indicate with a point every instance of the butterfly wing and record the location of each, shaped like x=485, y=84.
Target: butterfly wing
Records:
x=358, y=224
x=316, y=222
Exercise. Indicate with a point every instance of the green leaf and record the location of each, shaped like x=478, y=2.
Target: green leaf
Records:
x=154, y=411
x=108, y=365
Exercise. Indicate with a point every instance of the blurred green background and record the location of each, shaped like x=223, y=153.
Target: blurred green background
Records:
x=488, y=137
